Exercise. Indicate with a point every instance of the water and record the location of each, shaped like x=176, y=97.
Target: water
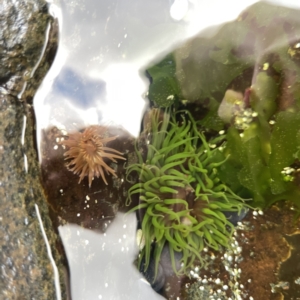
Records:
x=98, y=77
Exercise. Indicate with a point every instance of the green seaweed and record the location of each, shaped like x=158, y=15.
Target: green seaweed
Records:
x=266, y=157
x=285, y=143
x=164, y=90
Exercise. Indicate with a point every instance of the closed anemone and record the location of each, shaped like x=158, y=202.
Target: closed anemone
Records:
x=182, y=199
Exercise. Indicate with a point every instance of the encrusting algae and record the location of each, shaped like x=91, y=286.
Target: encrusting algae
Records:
x=87, y=153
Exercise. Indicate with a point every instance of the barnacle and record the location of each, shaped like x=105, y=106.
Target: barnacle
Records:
x=181, y=196
x=87, y=153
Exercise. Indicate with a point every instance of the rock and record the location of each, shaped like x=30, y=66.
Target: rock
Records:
x=32, y=258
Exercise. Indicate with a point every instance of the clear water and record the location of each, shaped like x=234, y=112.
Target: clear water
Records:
x=97, y=78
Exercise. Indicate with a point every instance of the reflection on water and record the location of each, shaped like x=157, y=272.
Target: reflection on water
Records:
x=109, y=42
x=101, y=264
x=99, y=78
x=82, y=91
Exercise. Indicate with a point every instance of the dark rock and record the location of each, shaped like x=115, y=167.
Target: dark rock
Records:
x=235, y=217
x=91, y=207
x=165, y=273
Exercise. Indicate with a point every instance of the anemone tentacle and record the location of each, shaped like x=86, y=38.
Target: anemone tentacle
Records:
x=87, y=154
x=181, y=196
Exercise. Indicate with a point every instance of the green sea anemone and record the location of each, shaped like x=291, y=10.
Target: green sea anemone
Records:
x=182, y=200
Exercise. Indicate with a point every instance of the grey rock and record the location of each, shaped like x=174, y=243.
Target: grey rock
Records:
x=28, y=41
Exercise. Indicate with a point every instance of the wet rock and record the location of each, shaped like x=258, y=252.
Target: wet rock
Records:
x=26, y=30
x=165, y=275
x=235, y=217
x=91, y=207
x=28, y=41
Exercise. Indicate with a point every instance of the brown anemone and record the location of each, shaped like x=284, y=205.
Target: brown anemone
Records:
x=87, y=152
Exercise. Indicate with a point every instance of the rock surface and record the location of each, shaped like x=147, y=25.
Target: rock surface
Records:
x=28, y=41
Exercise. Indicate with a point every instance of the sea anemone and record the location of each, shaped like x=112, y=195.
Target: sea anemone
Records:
x=87, y=153
x=182, y=199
